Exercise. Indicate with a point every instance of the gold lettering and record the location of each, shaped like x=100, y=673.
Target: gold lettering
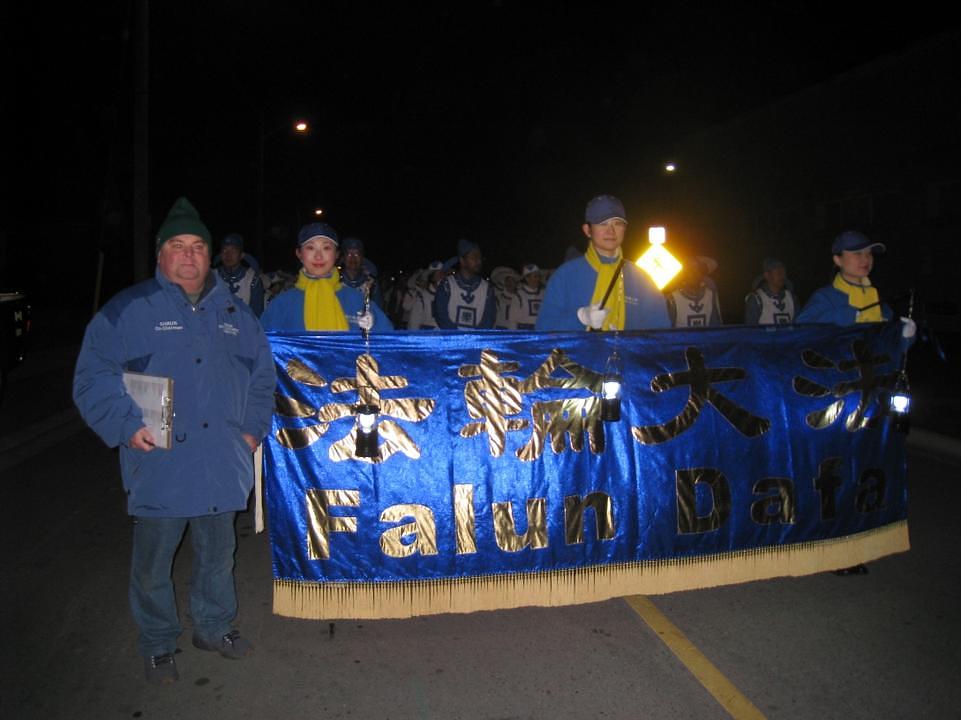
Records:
x=505, y=531
x=574, y=508
x=827, y=483
x=778, y=508
x=464, y=519
x=320, y=523
x=871, y=486
x=688, y=521
x=424, y=530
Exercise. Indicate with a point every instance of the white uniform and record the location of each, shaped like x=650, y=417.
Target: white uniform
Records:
x=422, y=310
x=696, y=312
x=524, y=308
x=776, y=311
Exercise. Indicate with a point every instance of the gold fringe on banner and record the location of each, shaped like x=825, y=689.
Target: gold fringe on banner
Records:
x=381, y=600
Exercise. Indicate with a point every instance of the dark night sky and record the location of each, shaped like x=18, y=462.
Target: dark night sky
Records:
x=492, y=120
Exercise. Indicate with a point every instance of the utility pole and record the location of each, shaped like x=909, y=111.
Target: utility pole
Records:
x=141, y=146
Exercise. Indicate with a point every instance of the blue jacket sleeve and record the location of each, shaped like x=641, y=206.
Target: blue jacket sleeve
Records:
x=441, y=304
x=752, y=309
x=260, y=392
x=98, y=390
x=818, y=309
x=558, y=309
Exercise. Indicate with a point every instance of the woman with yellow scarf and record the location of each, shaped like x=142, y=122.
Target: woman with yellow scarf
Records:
x=319, y=301
x=851, y=298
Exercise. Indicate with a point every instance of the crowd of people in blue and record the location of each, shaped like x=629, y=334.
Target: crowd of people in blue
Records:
x=456, y=295
x=201, y=322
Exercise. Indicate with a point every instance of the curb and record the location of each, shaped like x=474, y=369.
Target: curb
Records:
x=35, y=438
x=942, y=447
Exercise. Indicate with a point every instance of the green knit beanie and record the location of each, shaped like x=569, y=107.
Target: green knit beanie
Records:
x=182, y=220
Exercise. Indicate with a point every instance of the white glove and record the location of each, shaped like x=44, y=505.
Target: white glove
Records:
x=593, y=315
x=365, y=320
x=909, y=329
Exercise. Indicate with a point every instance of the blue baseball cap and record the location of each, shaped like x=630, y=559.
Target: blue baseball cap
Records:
x=352, y=243
x=604, y=208
x=315, y=230
x=465, y=246
x=234, y=240
x=853, y=240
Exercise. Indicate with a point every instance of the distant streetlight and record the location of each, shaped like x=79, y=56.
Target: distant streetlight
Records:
x=670, y=167
x=318, y=212
x=300, y=127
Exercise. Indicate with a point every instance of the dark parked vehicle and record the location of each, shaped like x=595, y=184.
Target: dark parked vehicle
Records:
x=14, y=328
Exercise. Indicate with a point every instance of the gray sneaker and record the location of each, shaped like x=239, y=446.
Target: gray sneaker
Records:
x=160, y=669
x=232, y=646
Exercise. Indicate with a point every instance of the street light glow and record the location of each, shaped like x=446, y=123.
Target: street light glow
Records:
x=670, y=167
x=301, y=127
x=656, y=235
x=318, y=212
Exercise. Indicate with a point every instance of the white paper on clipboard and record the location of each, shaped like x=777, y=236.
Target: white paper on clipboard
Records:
x=154, y=395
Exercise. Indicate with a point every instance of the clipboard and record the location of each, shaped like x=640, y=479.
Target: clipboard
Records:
x=154, y=395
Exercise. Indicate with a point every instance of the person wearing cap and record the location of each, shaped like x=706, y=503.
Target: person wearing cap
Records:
x=422, y=305
x=695, y=303
x=319, y=301
x=357, y=271
x=572, y=300
x=465, y=300
x=504, y=279
x=852, y=299
x=240, y=273
x=183, y=324
x=772, y=300
x=526, y=301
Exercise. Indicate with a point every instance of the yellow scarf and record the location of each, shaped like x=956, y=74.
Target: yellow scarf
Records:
x=615, y=302
x=322, y=310
x=861, y=296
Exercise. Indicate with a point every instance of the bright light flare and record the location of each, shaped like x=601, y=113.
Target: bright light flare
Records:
x=659, y=264
x=900, y=403
x=301, y=127
x=611, y=389
x=656, y=235
x=670, y=167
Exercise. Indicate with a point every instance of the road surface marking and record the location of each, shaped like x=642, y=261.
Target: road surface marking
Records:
x=730, y=698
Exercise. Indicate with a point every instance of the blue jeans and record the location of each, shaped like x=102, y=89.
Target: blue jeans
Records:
x=213, y=598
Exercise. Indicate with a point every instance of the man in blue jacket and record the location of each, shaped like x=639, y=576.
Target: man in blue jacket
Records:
x=574, y=293
x=183, y=324
x=465, y=300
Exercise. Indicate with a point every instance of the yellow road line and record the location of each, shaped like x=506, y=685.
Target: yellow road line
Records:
x=730, y=698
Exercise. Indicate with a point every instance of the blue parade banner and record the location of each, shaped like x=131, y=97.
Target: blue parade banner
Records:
x=740, y=453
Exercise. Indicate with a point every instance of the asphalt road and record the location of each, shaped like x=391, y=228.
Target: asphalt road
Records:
x=884, y=645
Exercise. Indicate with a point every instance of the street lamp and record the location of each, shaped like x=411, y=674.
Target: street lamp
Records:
x=300, y=127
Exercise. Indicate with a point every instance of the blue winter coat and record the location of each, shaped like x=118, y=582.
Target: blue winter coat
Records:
x=286, y=311
x=830, y=305
x=223, y=373
x=572, y=286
